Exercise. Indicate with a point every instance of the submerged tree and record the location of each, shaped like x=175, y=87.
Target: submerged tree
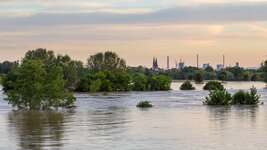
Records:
x=106, y=61
x=35, y=88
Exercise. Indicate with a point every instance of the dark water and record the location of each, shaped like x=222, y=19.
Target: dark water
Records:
x=178, y=120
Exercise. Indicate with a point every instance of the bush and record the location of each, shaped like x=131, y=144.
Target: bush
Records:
x=213, y=85
x=144, y=104
x=247, y=98
x=218, y=97
x=253, y=97
x=187, y=86
x=240, y=97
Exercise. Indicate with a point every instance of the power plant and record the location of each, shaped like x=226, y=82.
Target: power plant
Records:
x=181, y=64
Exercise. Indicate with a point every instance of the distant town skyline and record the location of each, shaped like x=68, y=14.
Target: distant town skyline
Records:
x=138, y=30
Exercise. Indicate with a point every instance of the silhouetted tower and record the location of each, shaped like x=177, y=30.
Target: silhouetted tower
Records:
x=168, y=62
x=197, y=60
x=155, y=63
x=223, y=61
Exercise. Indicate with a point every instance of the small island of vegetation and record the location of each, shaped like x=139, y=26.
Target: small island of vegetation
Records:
x=144, y=104
x=222, y=97
x=187, y=85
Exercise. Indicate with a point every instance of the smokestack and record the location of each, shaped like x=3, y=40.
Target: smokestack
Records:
x=197, y=60
x=223, y=61
x=168, y=62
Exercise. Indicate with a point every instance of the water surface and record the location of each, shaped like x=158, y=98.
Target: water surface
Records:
x=178, y=120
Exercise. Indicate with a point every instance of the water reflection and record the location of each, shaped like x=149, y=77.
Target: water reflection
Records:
x=38, y=129
x=108, y=122
x=222, y=117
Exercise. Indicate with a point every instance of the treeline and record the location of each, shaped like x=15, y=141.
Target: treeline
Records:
x=105, y=72
x=106, y=81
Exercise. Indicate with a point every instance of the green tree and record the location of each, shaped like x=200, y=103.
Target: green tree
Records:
x=264, y=69
x=222, y=75
x=209, y=69
x=37, y=89
x=84, y=84
x=199, y=77
x=122, y=81
x=95, y=86
x=164, y=82
x=106, y=61
x=187, y=85
x=139, y=82
x=69, y=70
x=47, y=57
x=152, y=84
x=7, y=67
x=8, y=81
x=237, y=71
x=213, y=85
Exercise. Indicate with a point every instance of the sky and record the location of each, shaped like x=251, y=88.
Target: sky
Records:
x=138, y=30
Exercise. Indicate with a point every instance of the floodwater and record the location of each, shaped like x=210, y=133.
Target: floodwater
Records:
x=178, y=120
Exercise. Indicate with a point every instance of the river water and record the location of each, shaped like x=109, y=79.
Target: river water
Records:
x=178, y=120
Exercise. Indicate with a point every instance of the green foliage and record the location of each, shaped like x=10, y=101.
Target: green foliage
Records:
x=213, y=85
x=222, y=75
x=190, y=76
x=139, y=82
x=240, y=97
x=7, y=67
x=209, y=76
x=209, y=69
x=34, y=88
x=218, y=97
x=106, y=61
x=248, y=98
x=256, y=77
x=95, y=86
x=187, y=86
x=164, y=82
x=8, y=81
x=84, y=84
x=199, y=77
x=48, y=58
x=264, y=69
x=152, y=84
x=122, y=81
x=237, y=71
x=138, y=69
x=144, y=104
x=253, y=97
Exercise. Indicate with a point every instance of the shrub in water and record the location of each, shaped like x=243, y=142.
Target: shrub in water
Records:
x=187, y=86
x=218, y=97
x=247, y=98
x=144, y=104
x=239, y=97
x=253, y=97
x=213, y=85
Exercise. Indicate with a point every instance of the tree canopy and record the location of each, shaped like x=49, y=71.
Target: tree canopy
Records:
x=106, y=61
x=35, y=88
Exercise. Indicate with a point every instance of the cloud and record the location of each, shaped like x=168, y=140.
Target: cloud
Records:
x=204, y=14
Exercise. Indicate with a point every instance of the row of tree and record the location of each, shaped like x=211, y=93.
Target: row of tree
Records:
x=106, y=81
x=44, y=79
